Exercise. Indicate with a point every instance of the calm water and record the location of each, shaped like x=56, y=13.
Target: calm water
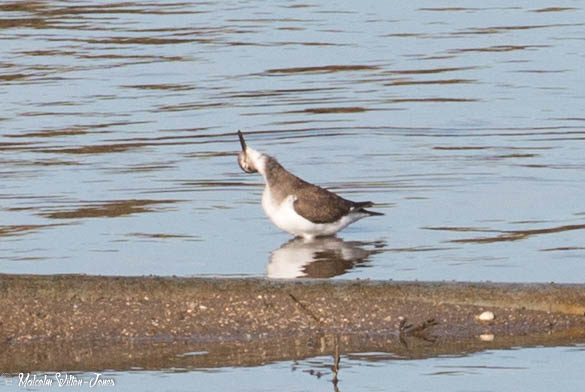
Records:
x=464, y=121
x=508, y=370
x=527, y=369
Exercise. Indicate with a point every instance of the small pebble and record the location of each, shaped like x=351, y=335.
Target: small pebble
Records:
x=486, y=337
x=486, y=316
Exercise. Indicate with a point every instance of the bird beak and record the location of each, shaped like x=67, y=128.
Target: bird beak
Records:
x=242, y=141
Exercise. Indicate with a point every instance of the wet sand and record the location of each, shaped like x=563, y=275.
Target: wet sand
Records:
x=93, y=322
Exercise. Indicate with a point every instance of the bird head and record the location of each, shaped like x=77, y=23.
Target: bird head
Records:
x=245, y=159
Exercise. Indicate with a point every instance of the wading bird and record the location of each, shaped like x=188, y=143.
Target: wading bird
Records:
x=296, y=206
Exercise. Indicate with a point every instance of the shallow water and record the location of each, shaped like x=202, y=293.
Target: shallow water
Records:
x=498, y=370
x=464, y=122
x=534, y=369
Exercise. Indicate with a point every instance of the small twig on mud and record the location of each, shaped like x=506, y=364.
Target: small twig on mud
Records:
x=419, y=331
x=305, y=309
x=336, y=360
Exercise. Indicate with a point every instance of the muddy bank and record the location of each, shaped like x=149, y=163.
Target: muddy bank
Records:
x=91, y=322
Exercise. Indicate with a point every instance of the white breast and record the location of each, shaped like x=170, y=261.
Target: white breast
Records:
x=284, y=216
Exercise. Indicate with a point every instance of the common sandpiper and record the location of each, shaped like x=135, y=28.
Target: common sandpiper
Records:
x=296, y=206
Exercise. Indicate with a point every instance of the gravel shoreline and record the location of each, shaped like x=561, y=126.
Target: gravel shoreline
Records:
x=211, y=314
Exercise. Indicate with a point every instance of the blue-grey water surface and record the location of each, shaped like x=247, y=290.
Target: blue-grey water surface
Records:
x=464, y=122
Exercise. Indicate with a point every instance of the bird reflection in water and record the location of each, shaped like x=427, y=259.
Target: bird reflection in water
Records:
x=322, y=257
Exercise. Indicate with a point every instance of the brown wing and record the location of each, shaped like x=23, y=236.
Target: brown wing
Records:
x=319, y=205
x=312, y=202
